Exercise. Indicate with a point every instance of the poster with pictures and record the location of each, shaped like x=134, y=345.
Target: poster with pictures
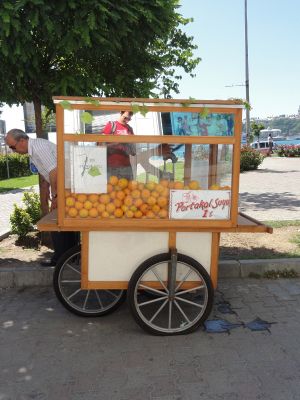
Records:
x=200, y=204
x=88, y=169
x=197, y=124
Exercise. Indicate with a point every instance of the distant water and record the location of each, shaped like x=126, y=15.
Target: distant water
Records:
x=289, y=142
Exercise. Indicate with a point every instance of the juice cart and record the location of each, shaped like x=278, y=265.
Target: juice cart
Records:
x=152, y=237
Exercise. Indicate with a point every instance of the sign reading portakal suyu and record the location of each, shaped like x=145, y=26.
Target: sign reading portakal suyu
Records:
x=200, y=204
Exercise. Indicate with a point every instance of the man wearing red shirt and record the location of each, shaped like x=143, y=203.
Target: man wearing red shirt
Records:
x=118, y=154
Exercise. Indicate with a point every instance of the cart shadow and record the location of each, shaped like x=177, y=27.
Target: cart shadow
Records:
x=238, y=253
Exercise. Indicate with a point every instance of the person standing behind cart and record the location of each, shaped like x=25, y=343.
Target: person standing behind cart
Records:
x=270, y=141
x=43, y=155
x=118, y=154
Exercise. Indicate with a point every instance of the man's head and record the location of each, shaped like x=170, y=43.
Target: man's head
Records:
x=17, y=140
x=125, y=117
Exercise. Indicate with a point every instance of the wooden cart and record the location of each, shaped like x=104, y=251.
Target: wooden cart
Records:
x=162, y=248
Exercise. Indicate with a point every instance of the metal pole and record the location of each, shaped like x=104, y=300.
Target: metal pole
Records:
x=247, y=76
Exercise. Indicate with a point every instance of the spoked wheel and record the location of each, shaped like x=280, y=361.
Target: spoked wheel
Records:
x=182, y=294
x=86, y=303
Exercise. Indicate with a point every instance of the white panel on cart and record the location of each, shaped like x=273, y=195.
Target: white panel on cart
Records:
x=196, y=245
x=114, y=256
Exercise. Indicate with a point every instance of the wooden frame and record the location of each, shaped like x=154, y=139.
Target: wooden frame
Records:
x=165, y=105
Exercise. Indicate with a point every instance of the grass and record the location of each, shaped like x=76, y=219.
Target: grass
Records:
x=282, y=224
x=17, y=183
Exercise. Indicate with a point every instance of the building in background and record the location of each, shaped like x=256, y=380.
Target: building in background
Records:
x=29, y=119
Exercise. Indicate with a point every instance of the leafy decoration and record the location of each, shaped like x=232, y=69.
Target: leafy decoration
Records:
x=86, y=117
x=66, y=105
x=94, y=171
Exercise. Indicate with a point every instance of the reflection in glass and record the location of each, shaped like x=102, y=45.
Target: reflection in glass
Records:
x=154, y=123
x=155, y=169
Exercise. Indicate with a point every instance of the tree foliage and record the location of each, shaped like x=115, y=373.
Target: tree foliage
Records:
x=91, y=47
x=255, y=130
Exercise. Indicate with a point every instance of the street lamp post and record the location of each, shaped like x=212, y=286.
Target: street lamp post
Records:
x=247, y=77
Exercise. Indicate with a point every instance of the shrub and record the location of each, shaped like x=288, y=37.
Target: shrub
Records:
x=250, y=158
x=23, y=219
x=285, y=150
x=18, y=165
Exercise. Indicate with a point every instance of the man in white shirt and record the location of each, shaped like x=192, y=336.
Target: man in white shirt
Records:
x=42, y=154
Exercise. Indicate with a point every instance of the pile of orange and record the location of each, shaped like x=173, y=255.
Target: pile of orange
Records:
x=125, y=199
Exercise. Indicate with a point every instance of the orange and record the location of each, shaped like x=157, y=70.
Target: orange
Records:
x=113, y=180
x=150, y=214
x=159, y=188
x=110, y=208
x=67, y=192
x=151, y=200
x=123, y=183
x=194, y=185
x=166, y=192
x=70, y=201
x=105, y=214
x=87, y=205
x=138, y=202
x=96, y=204
x=118, y=213
x=93, y=198
x=132, y=185
x=66, y=209
x=93, y=212
x=109, y=188
x=155, y=208
x=164, y=182
x=133, y=208
x=82, y=198
x=178, y=185
x=128, y=201
x=155, y=194
x=83, y=213
x=104, y=198
x=72, y=212
x=171, y=185
x=126, y=191
x=120, y=195
x=162, y=201
x=78, y=205
x=136, y=194
x=138, y=214
x=163, y=214
x=144, y=208
x=113, y=194
x=145, y=193
x=129, y=214
x=141, y=186
x=117, y=202
x=150, y=185
x=214, y=187
x=101, y=208
x=124, y=208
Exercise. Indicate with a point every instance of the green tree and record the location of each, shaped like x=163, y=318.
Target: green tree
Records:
x=255, y=130
x=91, y=47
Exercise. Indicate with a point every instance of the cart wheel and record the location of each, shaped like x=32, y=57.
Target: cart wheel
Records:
x=86, y=303
x=173, y=309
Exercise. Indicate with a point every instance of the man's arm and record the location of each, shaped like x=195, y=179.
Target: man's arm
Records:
x=53, y=186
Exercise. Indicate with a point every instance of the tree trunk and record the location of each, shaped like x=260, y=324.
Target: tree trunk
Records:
x=40, y=132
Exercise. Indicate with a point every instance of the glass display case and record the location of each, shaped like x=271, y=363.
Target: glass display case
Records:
x=179, y=168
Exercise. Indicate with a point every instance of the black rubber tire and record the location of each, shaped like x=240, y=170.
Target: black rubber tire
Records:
x=161, y=258
x=73, y=252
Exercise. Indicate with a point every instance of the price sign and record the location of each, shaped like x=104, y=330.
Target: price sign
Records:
x=200, y=204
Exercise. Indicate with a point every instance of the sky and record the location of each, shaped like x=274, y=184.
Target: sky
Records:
x=219, y=32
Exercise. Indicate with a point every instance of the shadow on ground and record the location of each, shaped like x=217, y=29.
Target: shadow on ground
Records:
x=239, y=253
x=265, y=201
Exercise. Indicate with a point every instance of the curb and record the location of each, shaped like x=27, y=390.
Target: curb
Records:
x=14, y=277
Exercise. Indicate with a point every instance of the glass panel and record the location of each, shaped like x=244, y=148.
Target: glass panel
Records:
x=137, y=181
x=152, y=123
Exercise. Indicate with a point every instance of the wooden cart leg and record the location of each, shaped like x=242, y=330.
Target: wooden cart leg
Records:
x=214, y=263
